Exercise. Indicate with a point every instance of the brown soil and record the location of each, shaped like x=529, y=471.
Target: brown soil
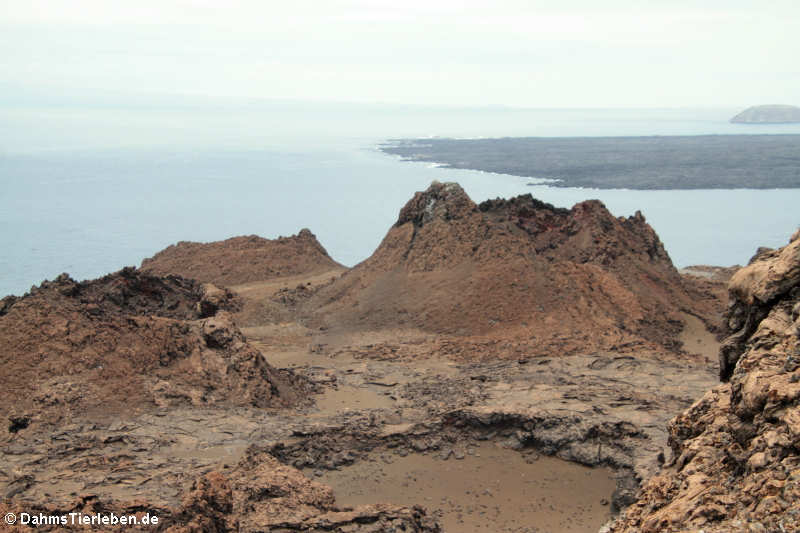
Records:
x=242, y=259
x=696, y=339
x=485, y=488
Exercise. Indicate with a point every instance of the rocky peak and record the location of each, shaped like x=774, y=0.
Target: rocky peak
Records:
x=449, y=265
x=306, y=235
x=524, y=205
x=446, y=201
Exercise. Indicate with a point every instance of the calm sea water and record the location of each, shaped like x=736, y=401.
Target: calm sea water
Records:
x=88, y=191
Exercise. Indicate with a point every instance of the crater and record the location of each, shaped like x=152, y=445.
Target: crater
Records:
x=482, y=488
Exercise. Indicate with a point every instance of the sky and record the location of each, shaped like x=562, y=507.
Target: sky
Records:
x=528, y=53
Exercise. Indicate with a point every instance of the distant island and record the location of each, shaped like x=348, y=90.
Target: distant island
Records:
x=674, y=162
x=768, y=114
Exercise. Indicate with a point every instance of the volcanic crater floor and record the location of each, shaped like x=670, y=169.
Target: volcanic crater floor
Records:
x=484, y=488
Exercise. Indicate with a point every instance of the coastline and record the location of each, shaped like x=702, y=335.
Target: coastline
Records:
x=673, y=162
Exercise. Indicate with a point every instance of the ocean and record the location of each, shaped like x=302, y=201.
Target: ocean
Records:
x=90, y=189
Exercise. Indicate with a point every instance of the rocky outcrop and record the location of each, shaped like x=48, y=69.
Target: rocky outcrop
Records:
x=736, y=452
x=124, y=342
x=262, y=495
x=207, y=507
x=242, y=259
x=768, y=114
x=131, y=292
x=754, y=290
x=555, y=280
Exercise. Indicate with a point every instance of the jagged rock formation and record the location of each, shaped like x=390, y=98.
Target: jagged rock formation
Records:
x=736, y=451
x=242, y=259
x=124, y=342
x=556, y=280
x=768, y=114
x=754, y=290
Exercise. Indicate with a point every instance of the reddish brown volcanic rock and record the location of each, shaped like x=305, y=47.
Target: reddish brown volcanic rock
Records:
x=257, y=495
x=242, y=259
x=554, y=280
x=128, y=341
x=736, y=452
x=261, y=494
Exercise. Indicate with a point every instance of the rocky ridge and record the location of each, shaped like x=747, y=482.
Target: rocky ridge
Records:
x=735, y=462
x=241, y=260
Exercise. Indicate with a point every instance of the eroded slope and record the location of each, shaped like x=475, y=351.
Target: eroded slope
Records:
x=541, y=278
x=243, y=259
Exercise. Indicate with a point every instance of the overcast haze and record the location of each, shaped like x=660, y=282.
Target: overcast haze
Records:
x=515, y=53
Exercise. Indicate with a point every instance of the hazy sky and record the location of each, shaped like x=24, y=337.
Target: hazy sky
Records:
x=530, y=53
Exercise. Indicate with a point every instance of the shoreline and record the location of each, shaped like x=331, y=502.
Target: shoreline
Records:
x=658, y=162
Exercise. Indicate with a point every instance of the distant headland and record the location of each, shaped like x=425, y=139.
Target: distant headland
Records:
x=768, y=114
x=658, y=162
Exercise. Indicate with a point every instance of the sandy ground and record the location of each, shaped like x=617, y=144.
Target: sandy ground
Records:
x=698, y=340
x=487, y=488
